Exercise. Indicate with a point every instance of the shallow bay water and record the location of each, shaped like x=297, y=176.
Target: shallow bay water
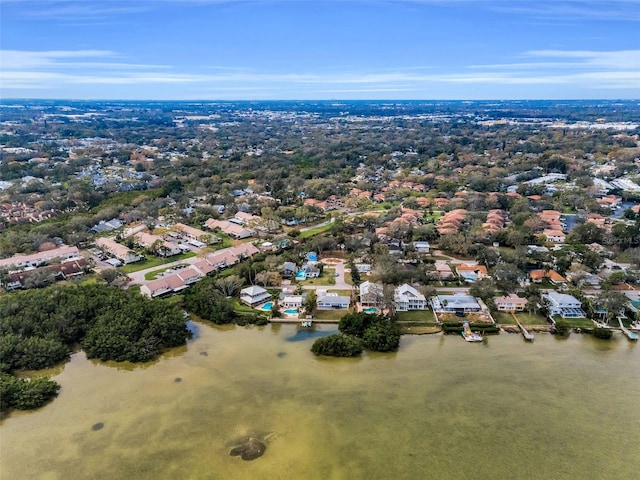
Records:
x=439, y=408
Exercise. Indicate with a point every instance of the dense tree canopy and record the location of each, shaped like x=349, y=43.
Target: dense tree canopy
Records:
x=39, y=328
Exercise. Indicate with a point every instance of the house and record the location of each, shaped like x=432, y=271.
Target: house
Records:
x=289, y=269
x=555, y=278
x=204, y=267
x=310, y=270
x=61, y=271
x=471, y=273
x=254, y=295
x=457, y=303
x=408, y=298
x=510, y=303
x=443, y=271
x=567, y=306
x=332, y=301
x=243, y=218
x=363, y=267
x=291, y=301
x=108, y=226
x=160, y=246
x=232, y=229
x=40, y=258
x=371, y=294
x=189, y=275
x=554, y=236
x=421, y=247
x=122, y=253
x=192, y=233
x=155, y=288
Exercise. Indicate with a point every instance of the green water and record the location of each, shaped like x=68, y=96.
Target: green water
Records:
x=440, y=408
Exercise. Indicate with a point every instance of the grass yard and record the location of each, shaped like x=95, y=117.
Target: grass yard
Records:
x=241, y=308
x=573, y=322
x=329, y=314
x=150, y=262
x=316, y=230
x=416, y=316
x=327, y=278
x=531, y=319
x=503, y=318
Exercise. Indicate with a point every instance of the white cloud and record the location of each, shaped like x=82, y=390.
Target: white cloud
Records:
x=582, y=70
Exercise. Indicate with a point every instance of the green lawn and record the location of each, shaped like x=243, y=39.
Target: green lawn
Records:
x=416, y=316
x=239, y=307
x=327, y=278
x=150, y=262
x=329, y=314
x=531, y=319
x=314, y=231
x=573, y=322
x=523, y=317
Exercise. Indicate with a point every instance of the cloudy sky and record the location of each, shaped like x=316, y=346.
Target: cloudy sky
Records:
x=320, y=49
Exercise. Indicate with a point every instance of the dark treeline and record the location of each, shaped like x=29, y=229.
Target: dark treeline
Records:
x=39, y=329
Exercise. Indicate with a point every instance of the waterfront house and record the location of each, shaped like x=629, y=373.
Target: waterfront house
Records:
x=332, y=301
x=567, y=306
x=457, y=303
x=254, y=295
x=371, y=294
x=510, y=303
x=408, y=298
x=291, y=301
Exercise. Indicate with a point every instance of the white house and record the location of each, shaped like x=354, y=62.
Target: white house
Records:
x=254, y=295
x=332, y=301
x=40, y=258
x=422, y=247
x=291, y=301
x=408, y=298
x=554, y=236
x=567, y=306
x=455, y=303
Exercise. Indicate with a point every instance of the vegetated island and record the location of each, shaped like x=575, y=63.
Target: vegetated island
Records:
x=357, y=332
x=40, y=328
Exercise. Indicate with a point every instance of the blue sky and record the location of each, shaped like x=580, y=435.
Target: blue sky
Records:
x=320, y=49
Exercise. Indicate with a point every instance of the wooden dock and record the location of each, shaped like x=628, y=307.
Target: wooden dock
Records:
x=630, y=335
x=525, y=333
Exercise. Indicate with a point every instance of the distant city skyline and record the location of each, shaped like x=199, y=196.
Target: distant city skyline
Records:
x=320, y=49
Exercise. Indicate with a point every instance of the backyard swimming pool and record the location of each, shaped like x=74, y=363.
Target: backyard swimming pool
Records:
x=370, y=310
x=267, y=306
x=291, y=311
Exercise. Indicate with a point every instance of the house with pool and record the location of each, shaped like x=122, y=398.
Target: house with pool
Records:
x=371, y=295
x=254, y=295
x=291, y=301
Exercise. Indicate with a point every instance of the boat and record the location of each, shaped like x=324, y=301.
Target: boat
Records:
x=468, y=335
x=305, y=323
